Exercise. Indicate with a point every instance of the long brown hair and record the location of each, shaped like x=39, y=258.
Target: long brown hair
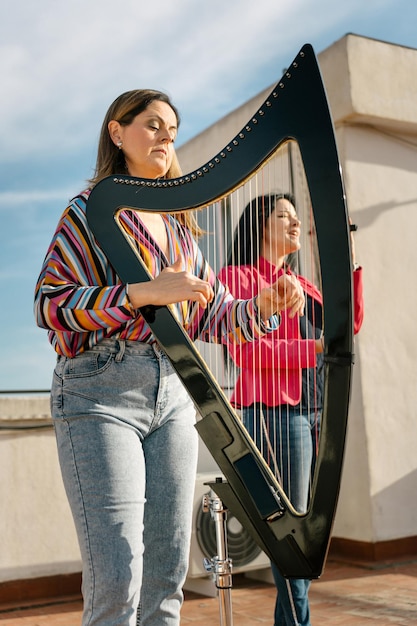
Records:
x=246, y=246
x=110, y=159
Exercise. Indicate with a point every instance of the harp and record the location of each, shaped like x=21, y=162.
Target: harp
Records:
x=296, y=114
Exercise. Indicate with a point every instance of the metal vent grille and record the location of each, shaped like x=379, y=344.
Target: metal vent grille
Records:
x=241, y=545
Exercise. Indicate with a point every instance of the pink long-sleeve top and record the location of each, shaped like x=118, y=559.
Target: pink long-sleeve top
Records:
x=270, y=369
x=80, y=299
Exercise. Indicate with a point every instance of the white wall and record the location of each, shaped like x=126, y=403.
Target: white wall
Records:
x=372, y=96
x=38, y=536
x=381, y=177
x=373, y=102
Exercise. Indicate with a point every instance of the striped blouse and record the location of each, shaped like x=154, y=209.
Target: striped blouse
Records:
x=80, y=299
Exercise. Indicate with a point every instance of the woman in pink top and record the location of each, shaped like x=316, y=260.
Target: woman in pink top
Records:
x=280, y=382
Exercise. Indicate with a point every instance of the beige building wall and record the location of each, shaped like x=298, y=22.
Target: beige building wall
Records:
x=372, y=89
x=37, y=534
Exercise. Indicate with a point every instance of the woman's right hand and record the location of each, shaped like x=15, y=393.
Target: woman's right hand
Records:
x=285, y=293
x=172, y=285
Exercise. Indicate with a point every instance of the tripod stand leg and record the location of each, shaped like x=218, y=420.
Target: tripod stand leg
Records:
x=220, y=565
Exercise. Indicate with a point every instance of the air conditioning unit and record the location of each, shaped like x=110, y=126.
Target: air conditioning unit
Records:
x=244, y=552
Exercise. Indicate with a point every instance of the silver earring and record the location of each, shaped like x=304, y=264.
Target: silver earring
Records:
x=119, y=144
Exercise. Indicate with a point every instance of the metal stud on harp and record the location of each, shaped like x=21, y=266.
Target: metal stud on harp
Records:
x=296, y=114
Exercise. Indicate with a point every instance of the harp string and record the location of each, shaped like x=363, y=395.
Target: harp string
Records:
x=224, y=244
x=282, y=174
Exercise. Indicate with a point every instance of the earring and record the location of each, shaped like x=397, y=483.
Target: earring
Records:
x=120, y=144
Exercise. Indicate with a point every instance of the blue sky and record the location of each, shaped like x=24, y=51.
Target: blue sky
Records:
x=62, y=64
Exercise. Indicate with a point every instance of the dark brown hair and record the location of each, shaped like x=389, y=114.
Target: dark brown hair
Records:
x=110, y=160
x=249, y=232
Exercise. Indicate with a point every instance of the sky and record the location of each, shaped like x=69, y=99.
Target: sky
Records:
x=63, y=63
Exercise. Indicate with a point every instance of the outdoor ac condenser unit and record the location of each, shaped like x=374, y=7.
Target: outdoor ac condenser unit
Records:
x=243, y=550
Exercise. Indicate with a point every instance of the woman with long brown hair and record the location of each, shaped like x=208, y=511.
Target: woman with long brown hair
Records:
x=123, y=420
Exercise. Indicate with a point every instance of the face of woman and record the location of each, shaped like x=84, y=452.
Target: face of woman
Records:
x=282, y=231
x=148, y=142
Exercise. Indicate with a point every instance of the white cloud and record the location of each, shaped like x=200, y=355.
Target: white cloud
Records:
x=9, y=199
x=63, y=63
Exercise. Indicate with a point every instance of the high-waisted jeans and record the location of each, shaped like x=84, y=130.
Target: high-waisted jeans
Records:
x=128, y=452
x=288, y=437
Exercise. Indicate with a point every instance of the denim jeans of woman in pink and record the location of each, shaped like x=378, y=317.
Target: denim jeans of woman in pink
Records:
x=292, y=434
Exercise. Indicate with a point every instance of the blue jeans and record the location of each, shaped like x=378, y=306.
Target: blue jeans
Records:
x=127, y=446
x=287, y=439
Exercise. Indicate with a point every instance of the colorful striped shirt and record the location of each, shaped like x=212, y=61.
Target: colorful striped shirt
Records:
x=80, y=299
